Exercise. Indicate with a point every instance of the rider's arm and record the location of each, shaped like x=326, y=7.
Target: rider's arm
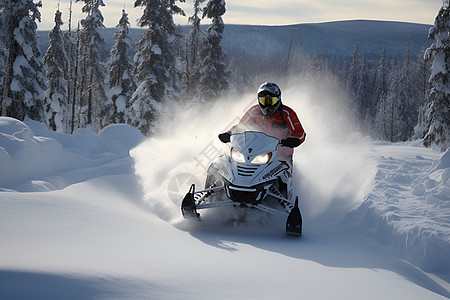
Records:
x=294, y=125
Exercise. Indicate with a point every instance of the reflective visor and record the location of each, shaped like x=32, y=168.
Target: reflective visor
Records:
x=267, y=100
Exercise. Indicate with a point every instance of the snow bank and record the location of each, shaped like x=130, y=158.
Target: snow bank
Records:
x=408, y=205
x=36, y=159
x=25, y=156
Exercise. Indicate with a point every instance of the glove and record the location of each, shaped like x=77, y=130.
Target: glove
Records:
x=290, y=142
x=225, y=137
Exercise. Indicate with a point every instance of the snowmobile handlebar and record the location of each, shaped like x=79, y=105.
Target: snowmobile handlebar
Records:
x=290, y=142
x=225, y=137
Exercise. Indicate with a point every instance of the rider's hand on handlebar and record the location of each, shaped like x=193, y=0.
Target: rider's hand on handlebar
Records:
x=225, y=137
x=290, y=142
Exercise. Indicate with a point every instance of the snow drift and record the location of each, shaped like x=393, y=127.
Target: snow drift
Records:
x=36, y=159
x=408, y=205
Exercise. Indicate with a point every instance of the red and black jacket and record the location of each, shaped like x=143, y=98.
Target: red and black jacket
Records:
x=282, y=124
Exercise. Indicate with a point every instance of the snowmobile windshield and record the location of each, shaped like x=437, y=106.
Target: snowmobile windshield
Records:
x=253, y=143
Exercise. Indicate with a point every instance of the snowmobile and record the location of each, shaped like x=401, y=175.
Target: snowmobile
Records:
x=254, y=175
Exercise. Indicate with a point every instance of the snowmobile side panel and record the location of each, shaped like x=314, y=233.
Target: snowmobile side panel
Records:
x=281, y=198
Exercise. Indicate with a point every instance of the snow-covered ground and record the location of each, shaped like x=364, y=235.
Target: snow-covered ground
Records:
x=96, y=216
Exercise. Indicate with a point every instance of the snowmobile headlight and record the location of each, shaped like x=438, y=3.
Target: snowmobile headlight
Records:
x=237, y=156
x=262, y=158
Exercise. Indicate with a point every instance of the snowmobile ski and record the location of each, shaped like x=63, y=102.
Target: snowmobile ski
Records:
x=188, y=207
x=294, y=221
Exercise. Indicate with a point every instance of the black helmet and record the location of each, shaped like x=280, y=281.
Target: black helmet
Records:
x=269, y=98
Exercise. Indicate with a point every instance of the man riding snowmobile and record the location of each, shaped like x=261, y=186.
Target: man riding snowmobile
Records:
x=258, y=171
x=273, y=118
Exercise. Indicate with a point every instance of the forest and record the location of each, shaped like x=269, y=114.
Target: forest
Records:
x=74, y=85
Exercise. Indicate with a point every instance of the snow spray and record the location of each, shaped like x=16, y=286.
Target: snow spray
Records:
x=327, y=166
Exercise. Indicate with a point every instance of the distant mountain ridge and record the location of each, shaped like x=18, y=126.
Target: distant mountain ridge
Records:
x=334, y=39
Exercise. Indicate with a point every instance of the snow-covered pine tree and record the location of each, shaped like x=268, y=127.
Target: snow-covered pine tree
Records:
x=156, y=63
x=213, y=75
x=421, y=76
x=366, y=77
x=381, y=81
x=120, y=76
x=379, y=93
x=92, y=96
x=23, y=81
x=352, y=80
x=56, y=104
x=71, y=43
x=386, y=120
x=353, y=83
x=358, y=83
x=433, y=127
x=3, y=51
x=407, y=98
x=191, y=55
x=395, y=110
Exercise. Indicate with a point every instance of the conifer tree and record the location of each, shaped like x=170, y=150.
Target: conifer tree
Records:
x=213, y=75
x=395, y=110
x=71, y=43
x=407, y=98
x=23, y=81
x=156, y=63
x=56, y=106
x=387, y=107
x=433, y=127
x=120, y=77
x=191, y=71
x=358, y=83
x=381, y=81
x=378, y=93
x=3, y=50
x=422, y=75
x=92, y=96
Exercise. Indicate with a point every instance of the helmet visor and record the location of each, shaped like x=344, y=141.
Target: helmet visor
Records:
x=268, y=101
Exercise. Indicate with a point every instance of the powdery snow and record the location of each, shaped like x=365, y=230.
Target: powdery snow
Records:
x=90, y=216
x=156, y=49
x=408, y=204
x=121, y=103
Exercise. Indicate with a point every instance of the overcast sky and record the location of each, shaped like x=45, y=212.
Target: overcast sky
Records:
x=265, y=12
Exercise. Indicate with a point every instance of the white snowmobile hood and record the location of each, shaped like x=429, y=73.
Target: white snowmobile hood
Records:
x=252, y=143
